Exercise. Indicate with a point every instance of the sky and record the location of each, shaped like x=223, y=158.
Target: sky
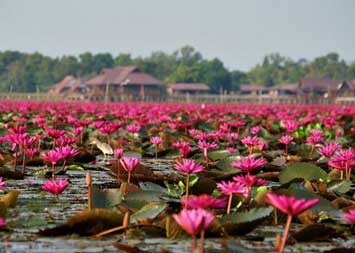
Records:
x=238, y=32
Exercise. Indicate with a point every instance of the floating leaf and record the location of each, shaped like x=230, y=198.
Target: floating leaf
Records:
x=173, y=230
x=314, y=232
x=149, y=211
x=75, y=167
x=302, y=170
x=244, y=222
x=341, y=186
x=132, y=154
x=224, y=166
x=85, y=223
x=219, y=154
x=149, y=186
x=106, y=198
x=141, y=198
x=10, y=199
x=3, y=209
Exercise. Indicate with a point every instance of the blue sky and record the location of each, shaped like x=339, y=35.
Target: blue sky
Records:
x=238, y=32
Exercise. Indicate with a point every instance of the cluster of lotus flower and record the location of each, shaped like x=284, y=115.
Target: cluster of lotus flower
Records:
x=197, y=213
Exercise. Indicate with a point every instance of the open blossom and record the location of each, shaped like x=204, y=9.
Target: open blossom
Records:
x=203, y=201
x=2, y=183
x=67, y=152
x=250, y=141
x=250, y=180
x=188, y=166
x=232, y=187
x=118, y=153
x=289, y=204
x=350, y=216
x=129, y=163
x=193, y=220
x=343, y=160
x=232, y=137
x=329, y=150
x=156, y=140
x=315, y=137
x=52, y=156
x=248, y=163
x=133, y=128
x=55, y=187
x=290, y=125
x=286, y=139
x=206, y=145
x=255, y=130
x=2, y=222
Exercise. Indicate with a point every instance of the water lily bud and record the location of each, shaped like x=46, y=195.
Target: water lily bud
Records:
x=88, y=179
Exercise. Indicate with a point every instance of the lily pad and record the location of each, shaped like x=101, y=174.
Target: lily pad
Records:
x=244, y=222
x=341, y=186
x=107, y=198
x=139, y=199
x=149, y=211
x=224, y=166
x=218, y=154
x=302, y=170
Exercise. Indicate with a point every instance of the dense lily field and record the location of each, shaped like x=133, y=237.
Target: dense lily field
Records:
x=176, y=177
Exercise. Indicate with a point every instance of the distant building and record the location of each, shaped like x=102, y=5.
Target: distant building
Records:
x=286, y=89
x=68, y=86
x=325, y=87
x=127, y=81
x=187, y=88
x=253, y=90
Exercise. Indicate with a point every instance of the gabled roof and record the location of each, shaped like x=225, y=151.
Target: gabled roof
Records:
x=123, y=76
x=188, y=86
x=66, y=82
x=251, y=87
x=285, y=86
x=319, y=84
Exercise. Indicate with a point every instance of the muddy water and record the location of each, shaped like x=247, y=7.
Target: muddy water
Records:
x=37, y=210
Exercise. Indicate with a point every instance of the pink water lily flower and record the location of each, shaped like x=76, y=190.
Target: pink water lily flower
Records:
x=344, y=160
x=55, y=187
x=248, y=163
x=2, y=183
x=290, y=206
x=329, y=150
x=203, y=201
x=229, y=188
x=2, y=222
x=350, y=216
x=286, y=140
x=156, y=140
x=188, y=166
x=129, y=164
x=194, y=221
x=251, y=142
x=118, y=153
x=52, y=156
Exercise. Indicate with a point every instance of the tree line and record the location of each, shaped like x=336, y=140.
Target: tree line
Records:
x=24, y=72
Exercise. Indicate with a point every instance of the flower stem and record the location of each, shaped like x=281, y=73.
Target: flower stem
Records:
x=129, y=178
x=202, y=241
x=53, y=172
x=284, y=237
x=193, y=244
x=156, y=151
x=229, y=203
x=24, y=162
x=187, y=186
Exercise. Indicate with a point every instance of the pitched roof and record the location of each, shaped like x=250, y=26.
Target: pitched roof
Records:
x=319, y=84
x=251, y=87
x=285, y=86
x=66, y=82
x=123, y=75
x=188, y=86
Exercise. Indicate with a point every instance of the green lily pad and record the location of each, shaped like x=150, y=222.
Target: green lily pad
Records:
x=341, y=186
x=224, y=166
x=139, y=199
x=149, y=211
x=302, y=170
x=219, y=154
x=242, y=223
x=107, y=198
